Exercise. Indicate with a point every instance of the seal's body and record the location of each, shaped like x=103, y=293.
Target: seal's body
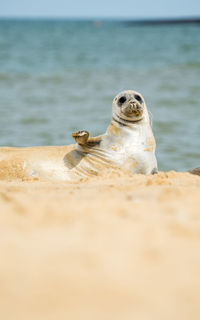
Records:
x=128, y=144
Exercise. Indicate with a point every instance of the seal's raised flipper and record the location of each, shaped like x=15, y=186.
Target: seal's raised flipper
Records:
x=83, y=138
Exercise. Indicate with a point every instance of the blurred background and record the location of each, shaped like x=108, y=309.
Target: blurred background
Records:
x=62, y=64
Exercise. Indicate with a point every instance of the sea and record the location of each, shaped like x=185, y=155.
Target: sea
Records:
x=60, y=76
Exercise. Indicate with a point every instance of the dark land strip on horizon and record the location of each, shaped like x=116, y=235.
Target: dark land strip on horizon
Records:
x=166, y=21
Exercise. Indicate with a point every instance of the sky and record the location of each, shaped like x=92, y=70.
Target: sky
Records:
x=100, y=8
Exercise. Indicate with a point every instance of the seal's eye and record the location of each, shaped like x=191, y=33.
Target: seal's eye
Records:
x=122, y=99
x=138, y=98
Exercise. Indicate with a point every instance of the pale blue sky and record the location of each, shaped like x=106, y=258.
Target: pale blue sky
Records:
x=99, y=8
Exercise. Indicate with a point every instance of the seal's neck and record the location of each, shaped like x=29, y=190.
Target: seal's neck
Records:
x=120, y=122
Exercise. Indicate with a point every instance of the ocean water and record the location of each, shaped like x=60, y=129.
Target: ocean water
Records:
x=57, y=77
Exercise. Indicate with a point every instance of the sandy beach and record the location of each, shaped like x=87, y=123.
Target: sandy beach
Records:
x=110, y=247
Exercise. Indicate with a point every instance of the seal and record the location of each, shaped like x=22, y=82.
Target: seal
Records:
x=128, y=144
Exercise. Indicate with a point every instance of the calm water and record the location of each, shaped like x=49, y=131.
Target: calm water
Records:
x=61, y=76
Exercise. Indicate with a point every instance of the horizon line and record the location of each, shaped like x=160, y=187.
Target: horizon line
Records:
x=149, y=18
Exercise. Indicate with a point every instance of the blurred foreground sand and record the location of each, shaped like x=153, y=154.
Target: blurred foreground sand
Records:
x=115, y=247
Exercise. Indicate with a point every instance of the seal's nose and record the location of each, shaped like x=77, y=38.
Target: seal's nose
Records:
x=132, y=102
x=132, y=108
x=135, y=106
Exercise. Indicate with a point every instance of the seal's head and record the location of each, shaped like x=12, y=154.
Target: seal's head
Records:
x=129, y=106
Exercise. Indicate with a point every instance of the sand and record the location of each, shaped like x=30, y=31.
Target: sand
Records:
x=111, y=247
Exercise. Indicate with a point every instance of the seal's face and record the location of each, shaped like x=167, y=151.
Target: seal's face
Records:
x=129, y=106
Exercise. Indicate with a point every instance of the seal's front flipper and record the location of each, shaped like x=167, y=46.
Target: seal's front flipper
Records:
x=81, y=137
